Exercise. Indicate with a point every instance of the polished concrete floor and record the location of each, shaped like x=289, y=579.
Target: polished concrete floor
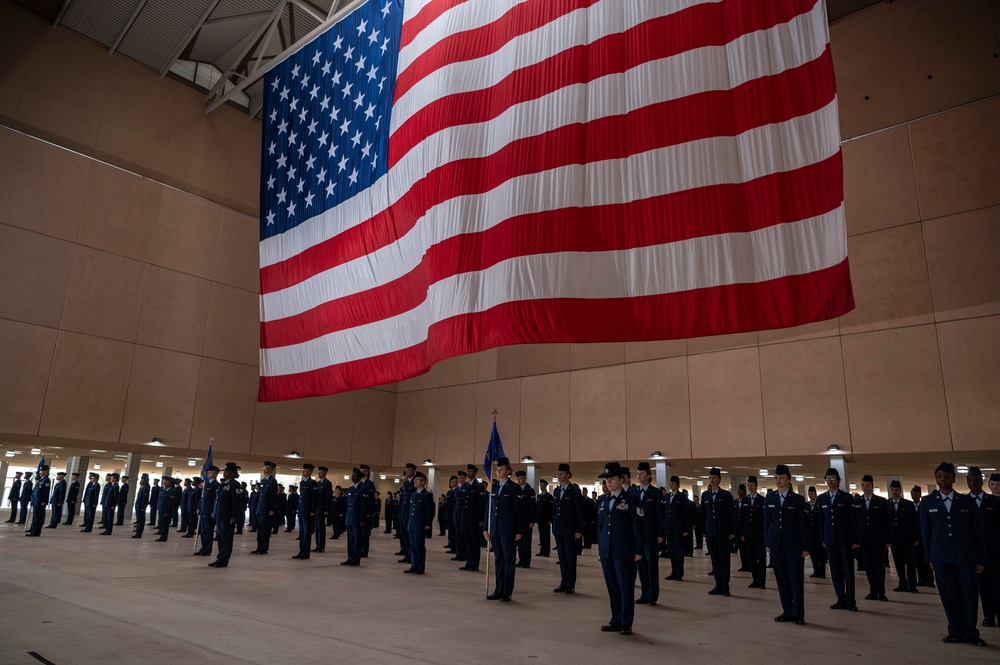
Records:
x=79, y=598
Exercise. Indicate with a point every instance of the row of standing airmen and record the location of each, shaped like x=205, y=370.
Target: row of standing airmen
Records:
x=833, y=527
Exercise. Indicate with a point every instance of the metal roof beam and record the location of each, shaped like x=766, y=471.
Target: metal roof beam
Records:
x=62, y=12
x=128, y=26
x=215, y=102
x=217, y=90
x=309, y=9
x=187, y=38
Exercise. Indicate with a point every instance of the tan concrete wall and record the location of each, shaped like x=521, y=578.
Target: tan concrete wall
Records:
x=129, y=301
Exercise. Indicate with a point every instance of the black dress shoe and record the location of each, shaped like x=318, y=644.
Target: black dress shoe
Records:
x=952, y=639
x=299, y=556
x=465, y=567
x=871, y=596
x=316, y=549
x=900, y=588
x=505, y=599
x=493, y=596
x=784, y=618
x=715, y=592
x=160, y=540
x=742, y=570
x=420, y=572
x=626, y=630
x=611, y=628
x=569, y=592
x=977, y=642
x=799, y=621
x=473, y=569
x=409, y=570
x=458, y=558
x=884, y=599
x=137, y=536
x=651, y=603
x=49, y=526
x=345, y=563
x=642, y=600
x=104, y=533
x=559, y=589
x=188, y=535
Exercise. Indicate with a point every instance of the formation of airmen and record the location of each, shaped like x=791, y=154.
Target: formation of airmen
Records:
x=947, y=540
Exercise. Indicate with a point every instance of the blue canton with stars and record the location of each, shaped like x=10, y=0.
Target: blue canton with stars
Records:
x=326, y=117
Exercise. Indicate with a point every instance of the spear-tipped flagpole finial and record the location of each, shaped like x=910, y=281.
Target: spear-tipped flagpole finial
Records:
x=494, y=415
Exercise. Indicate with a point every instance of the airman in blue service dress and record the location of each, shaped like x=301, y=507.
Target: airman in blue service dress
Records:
x=307, y=511
x=504, y=530
x=904, y=536
x=786, y=538
x=109, y=502
x=650, y=500
x=14, y=496
x=951, y=528
x=718, y=518
x=620, y=544
x=58, y=500
x=324, y=504
x=840, y=539
x=989, y=578
x=227, y=501
x=449, y=514
x=39, y=500
x=528, y=515
x=567, y=526
x=141, y=504
x=874, y=531
x=421, y=521
x=206, y=508
x=26, y=488
x=543, y=505
x=458, y=516
x=154, y=501
x=91, y=497
x=677, y=516
x=190, y=504
x=371, y=511
x=354, y=519
x=163, y=508
x=266, y=508
x=72, y=498
x=405, y=489
x=473, y=514
x=752, y=533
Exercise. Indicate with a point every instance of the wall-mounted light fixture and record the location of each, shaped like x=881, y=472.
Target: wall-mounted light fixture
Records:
x=657, y=455
x=157, y=441
x=526, y=458
x=428, y=462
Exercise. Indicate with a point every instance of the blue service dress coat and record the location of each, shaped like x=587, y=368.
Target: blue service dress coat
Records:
x=954, y=540
x=620, y=539
x=786, y=536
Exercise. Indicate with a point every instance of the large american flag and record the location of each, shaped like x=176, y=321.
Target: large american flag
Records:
x=445, y=176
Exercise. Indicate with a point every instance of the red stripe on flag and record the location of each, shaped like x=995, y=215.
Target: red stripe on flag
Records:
x=736, y=208
x=780, y=303
x=427, y=14
x=762, y=101
x=480, y=42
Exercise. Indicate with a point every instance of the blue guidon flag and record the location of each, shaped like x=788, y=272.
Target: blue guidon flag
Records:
x=441, y=177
